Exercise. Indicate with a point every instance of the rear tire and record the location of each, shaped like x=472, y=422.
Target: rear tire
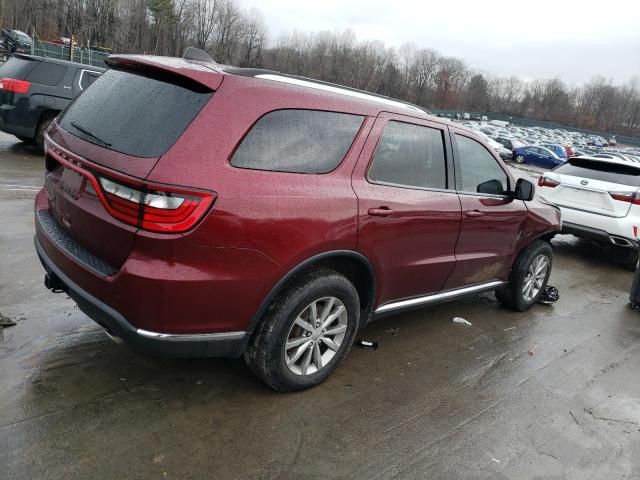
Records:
x=631, y=259
x=267, y=354
x=524, y=287
x=45, y=121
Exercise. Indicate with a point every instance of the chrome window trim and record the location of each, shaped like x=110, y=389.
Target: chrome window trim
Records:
x=406, y=187
x=336, y=89
x=82, y=72
x=437, y=296
x=477, y=194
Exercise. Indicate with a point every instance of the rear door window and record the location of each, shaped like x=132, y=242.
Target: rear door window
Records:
x=298, y=141
x=603, y=171
x=477, y=167
x=134, y=114
x=47, y=74
x=410, y=155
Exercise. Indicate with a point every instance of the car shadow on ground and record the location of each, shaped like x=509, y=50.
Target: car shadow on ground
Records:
x=25, y=148
x=590, y=252
x=86, y=355
x=80, y=364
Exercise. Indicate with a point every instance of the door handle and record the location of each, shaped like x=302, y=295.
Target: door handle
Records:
x=474, y=213
x=380, y=212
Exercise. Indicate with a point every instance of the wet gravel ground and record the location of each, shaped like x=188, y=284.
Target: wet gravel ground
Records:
x=551, y=393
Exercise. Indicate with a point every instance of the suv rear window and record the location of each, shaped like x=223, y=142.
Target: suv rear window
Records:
x=298, y=141
x=603, y=171
x=17, y=68
x=134, y=114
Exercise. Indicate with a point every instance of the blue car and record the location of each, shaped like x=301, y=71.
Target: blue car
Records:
x=559, y=150
x=540, y=156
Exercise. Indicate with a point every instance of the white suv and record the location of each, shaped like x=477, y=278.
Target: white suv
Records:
x=599, y=199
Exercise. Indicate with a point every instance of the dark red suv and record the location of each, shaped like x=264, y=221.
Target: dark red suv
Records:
x=193, y=209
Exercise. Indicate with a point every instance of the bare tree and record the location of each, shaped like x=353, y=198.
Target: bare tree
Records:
x=205, y=14
x=236, y=36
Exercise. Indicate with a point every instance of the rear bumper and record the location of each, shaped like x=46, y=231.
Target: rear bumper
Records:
x=224, y=344
x=600, y=228
x=598, y=235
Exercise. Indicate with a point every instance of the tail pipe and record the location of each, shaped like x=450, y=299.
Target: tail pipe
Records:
x=621, y=241
x=53, y=283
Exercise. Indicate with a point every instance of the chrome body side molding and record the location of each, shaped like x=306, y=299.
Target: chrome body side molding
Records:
x=191, y=336
x=412, y=302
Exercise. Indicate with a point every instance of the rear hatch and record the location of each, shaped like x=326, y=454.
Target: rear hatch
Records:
x=598, y=186
x=101, y=149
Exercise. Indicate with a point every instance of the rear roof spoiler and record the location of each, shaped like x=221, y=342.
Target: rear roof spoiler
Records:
x=202, y=72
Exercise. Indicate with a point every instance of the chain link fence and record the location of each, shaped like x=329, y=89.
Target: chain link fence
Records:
x=61, y=52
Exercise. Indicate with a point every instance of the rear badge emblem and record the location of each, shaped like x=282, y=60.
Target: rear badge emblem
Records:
x=584, y=182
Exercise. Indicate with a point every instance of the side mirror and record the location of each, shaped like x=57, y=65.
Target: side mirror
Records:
x=524, y=190
x=492, y=187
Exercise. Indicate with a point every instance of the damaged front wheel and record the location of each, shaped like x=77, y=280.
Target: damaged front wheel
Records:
x=528, y=277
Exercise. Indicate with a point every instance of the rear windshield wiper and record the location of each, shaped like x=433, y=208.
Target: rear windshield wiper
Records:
x=86, y=131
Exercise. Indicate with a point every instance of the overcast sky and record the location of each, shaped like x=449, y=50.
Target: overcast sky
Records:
x=572, y=40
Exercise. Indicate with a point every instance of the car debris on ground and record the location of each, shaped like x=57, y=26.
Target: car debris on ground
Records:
x=461, y=321
x=4, y=323
x=549, y=296
x=366, y=344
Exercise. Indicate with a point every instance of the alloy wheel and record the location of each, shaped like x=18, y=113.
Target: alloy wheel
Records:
x=316, y=336
x=535, y=277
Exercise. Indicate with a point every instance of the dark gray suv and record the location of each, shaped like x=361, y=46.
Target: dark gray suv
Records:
x=33, y=90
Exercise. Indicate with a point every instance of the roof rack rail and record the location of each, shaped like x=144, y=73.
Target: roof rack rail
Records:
x=192, y=53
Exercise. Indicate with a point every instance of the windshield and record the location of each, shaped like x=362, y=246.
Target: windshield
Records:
x=133, y=114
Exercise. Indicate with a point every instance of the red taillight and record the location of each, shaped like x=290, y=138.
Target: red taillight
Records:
x=155, y=208
x=629, y=197
x=13, y=85
x=544, y=181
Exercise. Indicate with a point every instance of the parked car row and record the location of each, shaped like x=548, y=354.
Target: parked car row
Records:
x=545, y=147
